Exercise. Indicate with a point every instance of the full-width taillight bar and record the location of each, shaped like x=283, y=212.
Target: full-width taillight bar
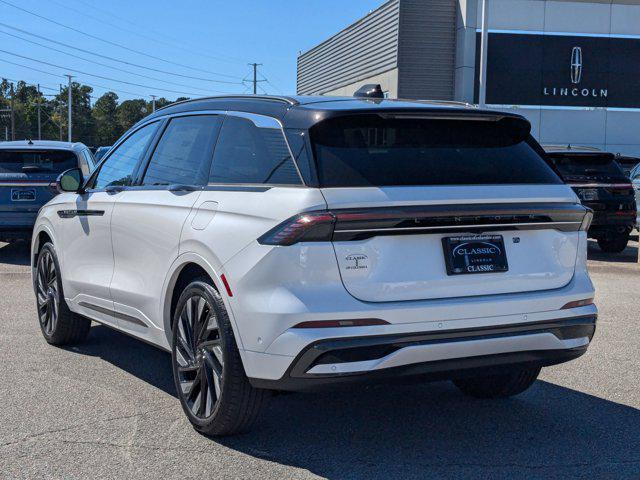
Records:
x=363, y=223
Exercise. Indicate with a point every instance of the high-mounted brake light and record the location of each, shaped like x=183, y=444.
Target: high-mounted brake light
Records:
x=306, y=227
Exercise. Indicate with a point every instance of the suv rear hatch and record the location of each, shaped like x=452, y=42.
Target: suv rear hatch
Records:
x=25, y=179
x=599, y=182
x=430, y=207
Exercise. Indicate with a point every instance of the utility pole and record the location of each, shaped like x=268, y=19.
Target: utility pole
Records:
x=482, y=100
x=255, y=76
x=153, y=103
x=13, y=117
x=60, y=125
x=69, y=101
x=39, y=121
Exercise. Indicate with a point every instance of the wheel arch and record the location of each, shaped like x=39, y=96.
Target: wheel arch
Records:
x=187, y=267
x=41, y=235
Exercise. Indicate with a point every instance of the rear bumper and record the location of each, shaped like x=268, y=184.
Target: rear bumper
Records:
x=15, y=232
x=436, y=355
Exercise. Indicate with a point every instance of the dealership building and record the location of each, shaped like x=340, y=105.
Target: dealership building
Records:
x=572, y=67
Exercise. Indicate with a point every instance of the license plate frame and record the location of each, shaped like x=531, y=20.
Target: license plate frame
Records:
x=23, y=194
x=475, y=254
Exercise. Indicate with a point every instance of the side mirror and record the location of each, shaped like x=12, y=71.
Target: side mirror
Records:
x=70, y=181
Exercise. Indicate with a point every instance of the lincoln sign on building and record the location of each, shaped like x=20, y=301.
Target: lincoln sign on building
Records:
x=572, y=67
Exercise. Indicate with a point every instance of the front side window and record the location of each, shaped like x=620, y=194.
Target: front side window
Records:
x=246, y=153
x=183, y=154
x=119, y=167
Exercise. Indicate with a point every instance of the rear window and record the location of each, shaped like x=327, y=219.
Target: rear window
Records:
x=37, y=161
x=369, y=150
x=588, y=164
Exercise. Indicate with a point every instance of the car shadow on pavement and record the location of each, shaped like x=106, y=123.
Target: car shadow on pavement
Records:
x=418, y=430
x=629, y=255
x=144, y=361
x=432, y=431
x=16, y=253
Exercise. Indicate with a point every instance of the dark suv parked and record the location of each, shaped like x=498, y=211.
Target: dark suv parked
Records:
x=603, y=186
x=27, y=170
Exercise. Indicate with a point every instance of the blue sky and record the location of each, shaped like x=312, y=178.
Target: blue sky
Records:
x=195, y=40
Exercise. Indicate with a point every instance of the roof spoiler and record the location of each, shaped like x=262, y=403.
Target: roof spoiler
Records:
x=370, y=90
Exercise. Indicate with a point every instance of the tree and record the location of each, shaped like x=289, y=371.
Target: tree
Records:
x=107, y=129
x=129, y=112
x=82, y=121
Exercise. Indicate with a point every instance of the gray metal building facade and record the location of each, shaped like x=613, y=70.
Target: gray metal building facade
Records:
x=428, y=49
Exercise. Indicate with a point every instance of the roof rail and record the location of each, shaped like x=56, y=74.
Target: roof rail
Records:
x=272, y=98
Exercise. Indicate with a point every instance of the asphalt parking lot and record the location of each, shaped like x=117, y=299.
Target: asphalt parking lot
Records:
x=107, y=409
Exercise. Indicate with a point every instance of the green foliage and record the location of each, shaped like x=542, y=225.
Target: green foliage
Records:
x=99, y=124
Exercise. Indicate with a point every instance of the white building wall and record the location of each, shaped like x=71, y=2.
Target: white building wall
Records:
x=616, y=130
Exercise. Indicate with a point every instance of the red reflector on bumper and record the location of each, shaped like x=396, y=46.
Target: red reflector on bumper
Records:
x=358, y=322
x=578, y=303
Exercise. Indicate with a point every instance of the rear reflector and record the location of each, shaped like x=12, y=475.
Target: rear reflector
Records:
x=226, y=285
x=358, y=322
x=578, y=303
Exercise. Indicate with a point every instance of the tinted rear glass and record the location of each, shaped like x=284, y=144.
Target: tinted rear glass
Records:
x=40, y=162
x=589, y=164
x=368, y=150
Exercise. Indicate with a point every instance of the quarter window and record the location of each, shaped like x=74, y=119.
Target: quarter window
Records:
x=119, y=167
x=246, y=153
x=183, y=155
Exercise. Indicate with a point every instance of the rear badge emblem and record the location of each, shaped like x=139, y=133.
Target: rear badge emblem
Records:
x=357, y=261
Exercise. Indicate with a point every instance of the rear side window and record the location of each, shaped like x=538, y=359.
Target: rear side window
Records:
x=119, y=167
x=183, y=154
x=246, y=153
x=369, y=150
x=37, y=161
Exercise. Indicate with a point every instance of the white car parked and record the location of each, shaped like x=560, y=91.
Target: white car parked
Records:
x=288, y=243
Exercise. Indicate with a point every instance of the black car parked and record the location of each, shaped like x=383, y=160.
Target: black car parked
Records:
x=603, y=186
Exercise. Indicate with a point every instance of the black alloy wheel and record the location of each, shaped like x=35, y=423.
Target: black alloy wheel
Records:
x=47, y=293
x=199, y=356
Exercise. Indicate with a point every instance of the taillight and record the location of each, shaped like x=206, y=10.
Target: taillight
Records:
x=354, y=224
x=306, y=227
x=586, y=221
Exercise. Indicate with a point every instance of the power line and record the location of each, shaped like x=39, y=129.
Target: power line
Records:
x=58, y=76
x=124, y=47
x=99, y=63
x=95, y=75
x=138, y=33
x=122, y=61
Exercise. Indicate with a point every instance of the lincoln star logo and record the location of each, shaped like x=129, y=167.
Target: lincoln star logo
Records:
x=576, y=65
x=357, y=261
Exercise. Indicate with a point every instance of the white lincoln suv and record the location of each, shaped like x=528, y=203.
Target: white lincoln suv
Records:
x=291, y=243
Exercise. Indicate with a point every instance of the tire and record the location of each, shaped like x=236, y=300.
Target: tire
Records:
x=209, y=362
x=616, y=243
x=59, y=325
x=498, y=386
